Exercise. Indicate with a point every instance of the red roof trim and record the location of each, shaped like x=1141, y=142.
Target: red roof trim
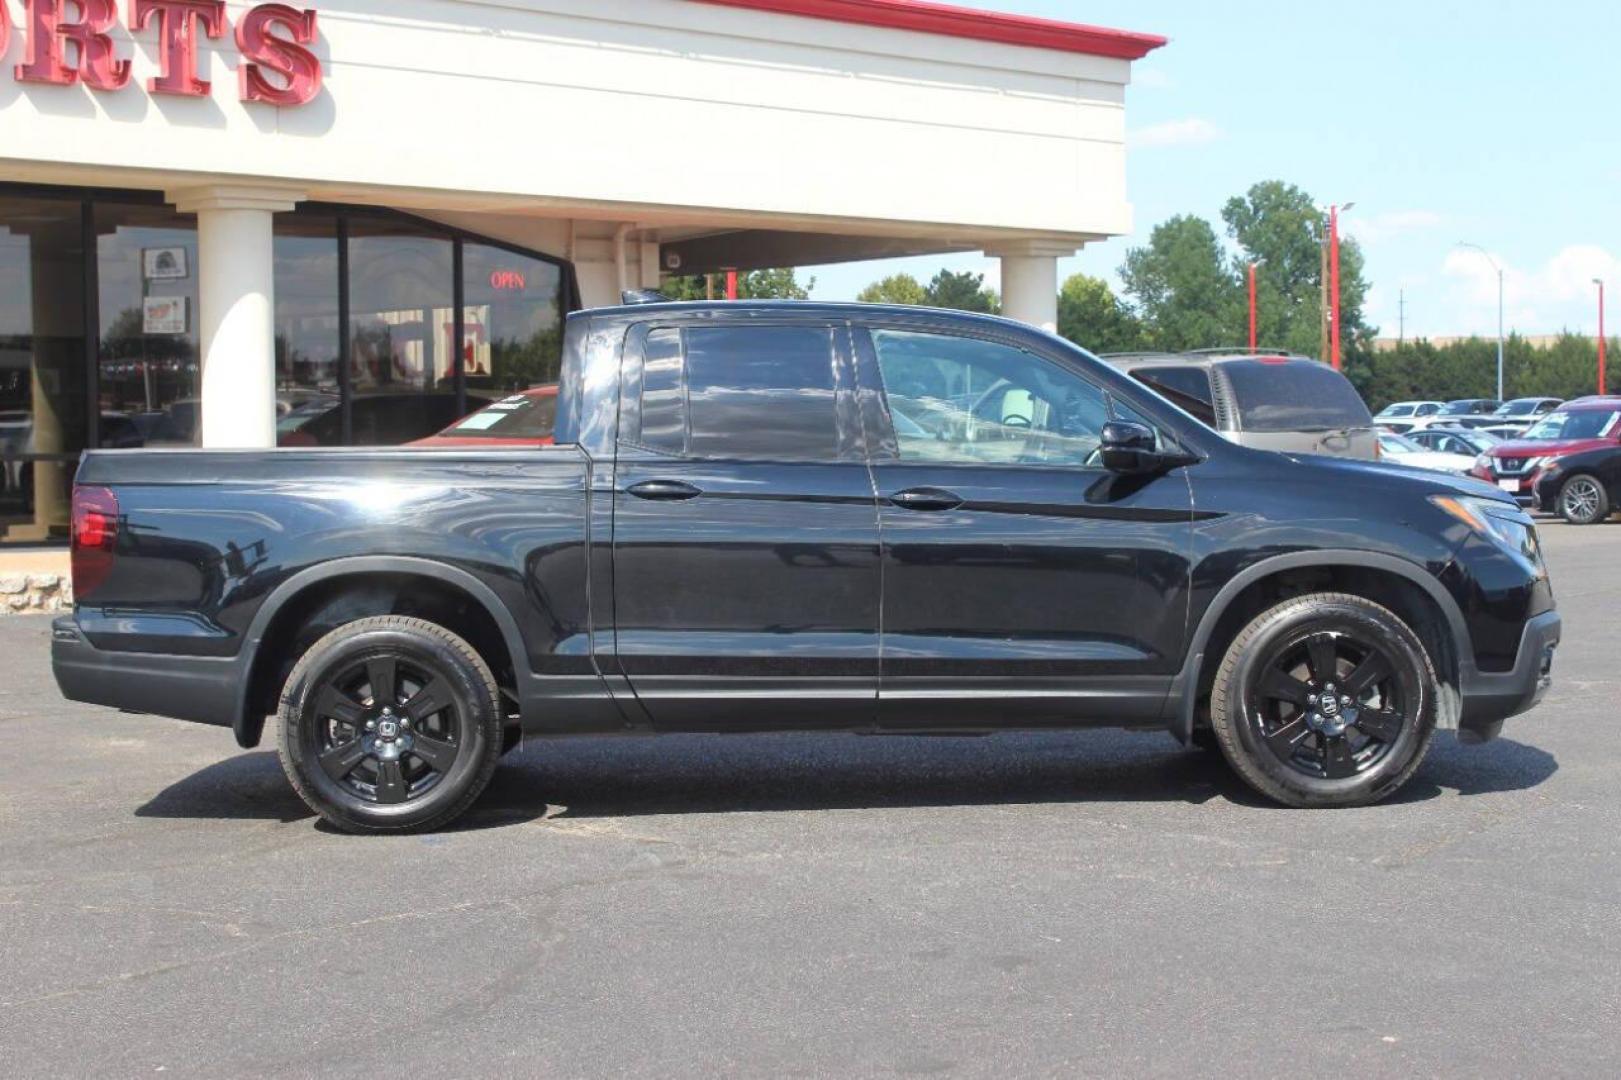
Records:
x=931, y=18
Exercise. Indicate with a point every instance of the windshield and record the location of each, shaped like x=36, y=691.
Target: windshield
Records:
x=1298, y=395
x=525, y=416
x=1398, y=410
x=302, y=415
x=1522, y=407
x=1396, y=444
x=1465, y=408
x=1587, y=424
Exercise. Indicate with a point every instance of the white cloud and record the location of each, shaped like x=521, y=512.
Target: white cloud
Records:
x=1557, y=295
x=1373, y=228
x=1192, y=131
x=1151, y=78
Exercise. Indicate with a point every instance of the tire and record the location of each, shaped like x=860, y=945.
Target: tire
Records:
x=1300, y=746
x=1583, y=500
x=413, y=759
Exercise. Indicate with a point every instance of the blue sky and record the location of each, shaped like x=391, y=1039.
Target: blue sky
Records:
x=1497, y=122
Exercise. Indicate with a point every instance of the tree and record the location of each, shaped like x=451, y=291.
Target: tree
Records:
x=1183, y=293
x=963, y=292
x=781, y=284
x=896, y=289
x=1090, y=315
x=1280, y=224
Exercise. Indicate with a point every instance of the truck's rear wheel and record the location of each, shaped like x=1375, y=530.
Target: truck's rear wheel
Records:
x=390, y=724
x=1325, y=700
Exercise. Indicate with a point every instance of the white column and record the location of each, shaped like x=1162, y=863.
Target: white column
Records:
x=1030, y=280
x=236, y=277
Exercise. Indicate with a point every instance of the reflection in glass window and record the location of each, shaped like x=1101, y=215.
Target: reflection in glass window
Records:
x=146, y=268
x=1294, y=395
x=762, y=391
x=43, y=382
x=664, y=398
x=512, y=321
x=307, y=330
x=958, y=399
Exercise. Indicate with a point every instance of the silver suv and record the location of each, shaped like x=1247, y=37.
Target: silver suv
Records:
x=1290, y=403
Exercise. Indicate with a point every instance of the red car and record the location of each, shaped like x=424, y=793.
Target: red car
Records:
x=519, y=421
x=1591, y=423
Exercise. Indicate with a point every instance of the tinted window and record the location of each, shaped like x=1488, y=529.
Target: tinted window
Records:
x=955, y=399
x=1299, y=395
x=755, y=392
x=762, y=391
x=1187, y=388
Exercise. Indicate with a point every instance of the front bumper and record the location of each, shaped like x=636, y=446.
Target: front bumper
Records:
x=1489, y=698
x=204, y=690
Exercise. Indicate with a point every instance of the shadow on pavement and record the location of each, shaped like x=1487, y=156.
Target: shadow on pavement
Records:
x=687, y=774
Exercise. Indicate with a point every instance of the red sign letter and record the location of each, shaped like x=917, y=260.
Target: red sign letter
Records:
x=177, y=40
x=98, y=66
x=298, y=68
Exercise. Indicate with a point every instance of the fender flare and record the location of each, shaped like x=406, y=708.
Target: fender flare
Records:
x=249, y=729
x=1184, y=692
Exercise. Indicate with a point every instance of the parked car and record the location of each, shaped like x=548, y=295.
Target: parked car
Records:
x=1583, y=488
x=734, y=534
x=1514, y=465
x=1515, y=418
x=1455, y=440
x=376, y=419
x=1401, y=416
x=519, y=421
x=1400, y=450
x=1288, y=403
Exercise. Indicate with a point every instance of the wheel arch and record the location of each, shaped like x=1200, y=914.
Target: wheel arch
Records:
x=1416, y=596
x=490, y=628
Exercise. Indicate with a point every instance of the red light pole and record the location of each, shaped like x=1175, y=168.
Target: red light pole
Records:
x=731, y=284
x=1601, y=380
x=1253, y=338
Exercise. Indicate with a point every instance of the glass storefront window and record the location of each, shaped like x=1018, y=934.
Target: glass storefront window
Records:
x=513, y=319
x=44, y=382
x=146, y=266
x=308, y=383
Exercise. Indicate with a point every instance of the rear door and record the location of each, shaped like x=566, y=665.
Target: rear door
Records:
x=745, y=535
x=1023, y=583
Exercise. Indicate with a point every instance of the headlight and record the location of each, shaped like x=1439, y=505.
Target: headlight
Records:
x=1509, y=527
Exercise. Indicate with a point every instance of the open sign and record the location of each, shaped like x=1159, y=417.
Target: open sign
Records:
x=507, y=281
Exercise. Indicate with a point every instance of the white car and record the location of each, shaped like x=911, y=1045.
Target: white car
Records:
x=1402, y=416
x=1400, y=450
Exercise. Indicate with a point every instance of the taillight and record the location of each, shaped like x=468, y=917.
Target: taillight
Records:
x=95, y=534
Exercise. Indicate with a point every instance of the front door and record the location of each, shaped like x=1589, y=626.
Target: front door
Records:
x=1024, y=585
x=745, y=550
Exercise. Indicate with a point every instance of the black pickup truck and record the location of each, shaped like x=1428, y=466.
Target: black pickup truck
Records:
x=764, y=516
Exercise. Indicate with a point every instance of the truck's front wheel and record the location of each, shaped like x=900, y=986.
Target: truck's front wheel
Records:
x=390, y=724
x=1325, y=700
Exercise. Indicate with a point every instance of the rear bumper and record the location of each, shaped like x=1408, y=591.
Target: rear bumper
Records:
x=1489, y=698
x=204, y=690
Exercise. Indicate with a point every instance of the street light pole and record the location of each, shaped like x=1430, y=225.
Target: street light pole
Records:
x=1602, y=382
x=1332, y=285
x=1499, y=269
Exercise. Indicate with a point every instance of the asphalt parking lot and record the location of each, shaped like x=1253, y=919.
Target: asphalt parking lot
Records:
x=1090, y=904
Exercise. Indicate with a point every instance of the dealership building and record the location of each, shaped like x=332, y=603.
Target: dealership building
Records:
x=355, y=223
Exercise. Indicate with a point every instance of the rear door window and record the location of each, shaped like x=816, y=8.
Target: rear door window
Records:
x=1298, y=395
x=765, y=392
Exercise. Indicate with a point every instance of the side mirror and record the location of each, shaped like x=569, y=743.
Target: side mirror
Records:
x=1131, y=448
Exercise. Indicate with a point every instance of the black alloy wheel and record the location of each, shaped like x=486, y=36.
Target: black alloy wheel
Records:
x=1328, y=704
x=390, y=724
x=1325, y=700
